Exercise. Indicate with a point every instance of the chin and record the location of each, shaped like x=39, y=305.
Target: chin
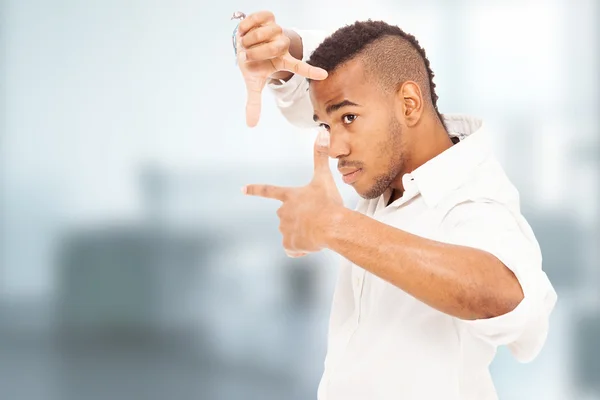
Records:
x=368, y=196
x=371, y=191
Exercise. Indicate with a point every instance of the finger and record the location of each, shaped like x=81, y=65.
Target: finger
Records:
x=266, y=191
x=254, y=88
x=262, y=34
x=255, y=20
x=291, y=64
x=269, y=50
x=321, y=153
x=295, y=254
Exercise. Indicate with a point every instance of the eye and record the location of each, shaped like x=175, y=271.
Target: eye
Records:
x=349, y=118
x=324, y=126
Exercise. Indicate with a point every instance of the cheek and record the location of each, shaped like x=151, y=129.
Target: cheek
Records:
x=381, y=159
x=377, y=150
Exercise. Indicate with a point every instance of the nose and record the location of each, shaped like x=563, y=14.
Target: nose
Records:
x=338, y=145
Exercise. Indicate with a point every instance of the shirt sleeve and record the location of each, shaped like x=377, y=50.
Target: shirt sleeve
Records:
x=292, y=97
x=504, y=233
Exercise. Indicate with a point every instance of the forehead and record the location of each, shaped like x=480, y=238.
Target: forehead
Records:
x=348, y=82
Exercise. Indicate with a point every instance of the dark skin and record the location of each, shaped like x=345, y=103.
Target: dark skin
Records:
x=376, y=132
x=354, y=126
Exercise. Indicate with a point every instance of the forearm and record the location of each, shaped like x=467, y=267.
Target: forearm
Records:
x=460, y=281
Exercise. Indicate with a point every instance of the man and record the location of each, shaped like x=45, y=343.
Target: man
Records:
x=441, y=267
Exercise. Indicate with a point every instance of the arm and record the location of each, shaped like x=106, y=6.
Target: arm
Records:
x=485, y=270
x=488, y=275
x=291, y=97
x=431, y=271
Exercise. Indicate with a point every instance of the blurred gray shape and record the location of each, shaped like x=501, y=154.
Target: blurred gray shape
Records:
x=129, y=280
x=587, y=353
x=562, y=243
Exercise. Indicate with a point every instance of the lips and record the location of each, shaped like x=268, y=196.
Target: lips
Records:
x=350, y=175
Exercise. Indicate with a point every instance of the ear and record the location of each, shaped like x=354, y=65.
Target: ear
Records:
x=411, y=103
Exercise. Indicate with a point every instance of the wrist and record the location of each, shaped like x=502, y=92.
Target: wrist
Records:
x=333, y=223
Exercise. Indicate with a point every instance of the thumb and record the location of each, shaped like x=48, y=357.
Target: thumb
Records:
x=321, y=153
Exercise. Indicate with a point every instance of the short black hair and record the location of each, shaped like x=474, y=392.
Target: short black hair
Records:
x=394, y=55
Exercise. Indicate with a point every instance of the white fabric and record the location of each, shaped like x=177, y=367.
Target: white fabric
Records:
x=384, y=344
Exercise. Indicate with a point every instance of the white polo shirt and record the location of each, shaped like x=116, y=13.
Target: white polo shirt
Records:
x=383, y=344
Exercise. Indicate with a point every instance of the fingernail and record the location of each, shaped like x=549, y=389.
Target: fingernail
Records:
x=323, y=138
x=294, y=254
x=244, y=190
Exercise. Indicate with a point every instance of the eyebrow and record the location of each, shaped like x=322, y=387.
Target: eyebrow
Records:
x=335, y=107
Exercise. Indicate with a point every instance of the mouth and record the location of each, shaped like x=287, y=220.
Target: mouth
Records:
x=351, y=177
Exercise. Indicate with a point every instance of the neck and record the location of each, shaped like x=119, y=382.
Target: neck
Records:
x=433, y=139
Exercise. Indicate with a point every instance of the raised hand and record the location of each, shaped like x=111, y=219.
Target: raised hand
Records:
x=263, y=49
x=308, y=212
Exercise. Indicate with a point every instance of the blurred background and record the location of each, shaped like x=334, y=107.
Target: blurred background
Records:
x=133, y=268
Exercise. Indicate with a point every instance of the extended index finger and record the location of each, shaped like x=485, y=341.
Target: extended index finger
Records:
x=291, y=64
x=266, y=191
x=254, y=20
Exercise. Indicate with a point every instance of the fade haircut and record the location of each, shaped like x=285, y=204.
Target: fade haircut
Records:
x=389, y=54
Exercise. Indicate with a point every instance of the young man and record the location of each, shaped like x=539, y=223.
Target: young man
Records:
x=441, y=267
